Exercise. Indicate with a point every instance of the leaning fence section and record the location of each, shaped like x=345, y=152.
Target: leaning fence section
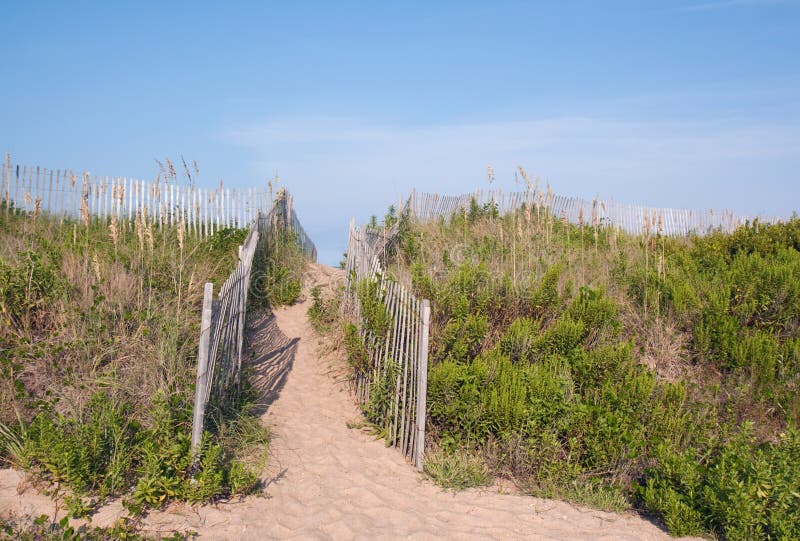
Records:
x=633, y=219
x=390, y=357
x=283, y=215
x=223, y=320
x=90, y=198
x=85, y=197
x=222, y=337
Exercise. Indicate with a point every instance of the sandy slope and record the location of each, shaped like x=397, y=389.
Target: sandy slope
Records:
x=326, y=481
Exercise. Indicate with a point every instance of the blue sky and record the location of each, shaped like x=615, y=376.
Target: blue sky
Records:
x=688, y=103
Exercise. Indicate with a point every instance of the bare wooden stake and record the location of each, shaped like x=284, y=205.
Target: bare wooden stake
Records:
x=422, y=383
x=200, y=397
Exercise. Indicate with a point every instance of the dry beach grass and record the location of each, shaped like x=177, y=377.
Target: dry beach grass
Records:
x=327, y=481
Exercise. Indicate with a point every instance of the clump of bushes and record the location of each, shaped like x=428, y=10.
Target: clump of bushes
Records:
x=282, y=288
x=324, y=310
x=280, y=278
x=457, y=470
x=98, y=337
x=741, y=487
x=541, y=332
x=104, y=451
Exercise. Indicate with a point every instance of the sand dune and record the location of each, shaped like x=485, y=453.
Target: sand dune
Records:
x=327, y=481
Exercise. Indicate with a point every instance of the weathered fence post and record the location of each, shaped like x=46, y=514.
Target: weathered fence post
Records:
x=422, y=382
x=200, y=394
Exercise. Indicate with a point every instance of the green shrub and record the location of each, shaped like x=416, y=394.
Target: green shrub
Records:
x=469, y=289
x=241, y=480
x=279, y=278
x=98, y=333
x=284, y=289
x=598, y=314
x=374, y=313
x=563, y=337
x=518, y=341
x=102, y=451
x=594, y=494
x=743, y=489
x=381, y=397
x=25, y=289
x=357, y=354
x=92, y=452
x=462, y=337
x=225, y=241
x=421, y=281
x=454, y=391
x=491, y=396
x=324, y=311
x=637, y=388
x=546, y=296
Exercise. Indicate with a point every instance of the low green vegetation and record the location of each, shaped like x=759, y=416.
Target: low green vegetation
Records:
x=324, y=310
x=279, y=279
x=457, y=470
x=98, y=341
x=615, y=370
x=42, y=528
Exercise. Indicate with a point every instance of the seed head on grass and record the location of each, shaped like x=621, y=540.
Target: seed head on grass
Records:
x=181, y=234
x=113, y=232
x=148, y=232
x=85, y=200
x=138, y=227
x=96, y=268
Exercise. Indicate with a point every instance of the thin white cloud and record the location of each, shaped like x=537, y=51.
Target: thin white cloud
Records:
x=582, y=155
x=343, y=167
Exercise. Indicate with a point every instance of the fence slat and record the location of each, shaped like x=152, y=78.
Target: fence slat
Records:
x=202, y=368
x=422, y=384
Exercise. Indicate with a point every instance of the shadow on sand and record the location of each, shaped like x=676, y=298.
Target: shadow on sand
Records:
x=273, y=357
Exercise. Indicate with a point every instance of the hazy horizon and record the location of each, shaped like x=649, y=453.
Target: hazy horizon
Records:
x=691, y=104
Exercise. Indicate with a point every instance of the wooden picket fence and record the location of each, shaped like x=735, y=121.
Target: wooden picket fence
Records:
x=391, y=386
x=222, y=329
x=86, y=198
x=402, y=352
x=83, y=196
x=633, y=219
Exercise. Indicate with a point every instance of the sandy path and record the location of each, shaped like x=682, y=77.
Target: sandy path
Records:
x=326, y=481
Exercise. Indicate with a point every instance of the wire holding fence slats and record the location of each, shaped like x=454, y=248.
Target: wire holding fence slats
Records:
x=223, y=321
x=90, y=198
x=391, y=385
x=400, y=357
x=633, y=219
